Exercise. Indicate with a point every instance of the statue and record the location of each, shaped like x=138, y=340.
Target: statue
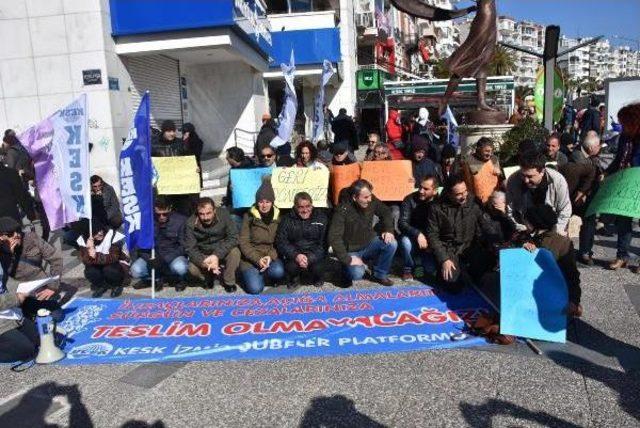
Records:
x=472, y=57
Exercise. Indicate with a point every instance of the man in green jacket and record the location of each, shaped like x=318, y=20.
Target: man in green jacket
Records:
x=354, y=239
x=211, y=241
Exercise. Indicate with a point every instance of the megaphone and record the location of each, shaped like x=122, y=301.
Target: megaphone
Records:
x=49, y=352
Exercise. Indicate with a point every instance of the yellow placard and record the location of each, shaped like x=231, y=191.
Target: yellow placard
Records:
x=177, y=175
x=287, y=182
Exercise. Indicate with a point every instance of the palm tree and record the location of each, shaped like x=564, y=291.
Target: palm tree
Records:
x=503, y=62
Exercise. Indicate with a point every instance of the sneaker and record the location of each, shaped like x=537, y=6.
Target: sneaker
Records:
x=159, y=285
x=407, y=276
x=98, y=292
x=116, y=291
x=181, y=286
x=141, y=284
x=229, y=288
x=318, y=283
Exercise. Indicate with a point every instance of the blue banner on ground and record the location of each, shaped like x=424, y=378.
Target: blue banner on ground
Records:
x=533, y=295
x=268, y=326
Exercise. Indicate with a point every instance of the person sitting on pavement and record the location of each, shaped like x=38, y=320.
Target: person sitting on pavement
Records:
x=498, y=227
x=541, y=220
x=341, y=154
x=583, y=179
x=355, y=240
x=553, y=152
x=105, y=201
x=170, y=261
x=211, y=243
x=260, y=264
x=19, y=337
x=452, y=232
x=534, y=184
x=481, y=170
x=28, y=264
x=101, y=254
x=301, y=242
x=414, y=212
x=307, y=156
x=422, y=166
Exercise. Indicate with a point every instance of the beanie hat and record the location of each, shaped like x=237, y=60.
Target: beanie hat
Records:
x=9, y=225
x=265, y=192
x=168, y=125
x=420, y=143
x=340, y=147
x=448, y=152
x=541, y=217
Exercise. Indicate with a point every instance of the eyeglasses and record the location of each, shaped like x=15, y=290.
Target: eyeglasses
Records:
x=163, y=214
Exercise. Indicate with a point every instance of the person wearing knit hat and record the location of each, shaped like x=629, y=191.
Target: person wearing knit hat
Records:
x=448, y=165
x=341, y=154
x=422, y=166
x=260, y=264
x=8, y=226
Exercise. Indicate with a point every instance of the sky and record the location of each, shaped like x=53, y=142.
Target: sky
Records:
x=582, y=18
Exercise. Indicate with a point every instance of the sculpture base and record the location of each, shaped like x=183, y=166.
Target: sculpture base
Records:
x=484, y=117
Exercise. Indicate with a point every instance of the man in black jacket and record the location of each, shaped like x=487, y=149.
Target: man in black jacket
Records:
x=452, y=228
x=14, y=194
x=104, y=202
x=300, y=241
x=414, y=212
x=170, y=258
x=344, y=128
x=167, y=144
x=354, y=239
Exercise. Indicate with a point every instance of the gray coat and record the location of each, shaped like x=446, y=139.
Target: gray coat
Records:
x=221, y=237
x=519, y=197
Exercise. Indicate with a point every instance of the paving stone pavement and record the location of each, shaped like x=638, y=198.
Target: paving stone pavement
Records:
x=592, y=381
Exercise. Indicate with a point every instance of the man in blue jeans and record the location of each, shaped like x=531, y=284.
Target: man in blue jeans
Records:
x=414, y=212
x=170, y=261
x=354, y=239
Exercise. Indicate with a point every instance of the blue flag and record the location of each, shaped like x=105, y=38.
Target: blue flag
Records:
x=136, y=172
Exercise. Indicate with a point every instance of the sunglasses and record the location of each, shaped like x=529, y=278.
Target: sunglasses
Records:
x=163, y=214
x=266, y=156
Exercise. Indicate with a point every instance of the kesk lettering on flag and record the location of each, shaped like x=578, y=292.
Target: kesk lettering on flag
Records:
x=59, y=149
x=136, y=172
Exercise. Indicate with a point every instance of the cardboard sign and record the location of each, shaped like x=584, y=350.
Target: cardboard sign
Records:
x=391, y=180
x=509, y=170
x=343, y=176
x=619, y=194
x=177, y=175
x=287, y=182
x=533, y=295
x=245, y=182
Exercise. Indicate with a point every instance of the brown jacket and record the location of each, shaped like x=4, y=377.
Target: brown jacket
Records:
x=257, y=238
x=31, y=257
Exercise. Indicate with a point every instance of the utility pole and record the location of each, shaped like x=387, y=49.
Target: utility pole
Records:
x=549, y=58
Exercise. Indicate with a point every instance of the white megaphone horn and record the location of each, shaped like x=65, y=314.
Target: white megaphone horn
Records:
x=49, y=352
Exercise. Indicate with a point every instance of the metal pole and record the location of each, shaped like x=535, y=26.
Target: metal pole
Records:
x=549, y=77
x=153, y=274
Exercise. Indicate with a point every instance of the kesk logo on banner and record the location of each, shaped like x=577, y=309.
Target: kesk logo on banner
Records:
x=287, y=182
x=59, y=148
x=136, y=173
x=275, y=326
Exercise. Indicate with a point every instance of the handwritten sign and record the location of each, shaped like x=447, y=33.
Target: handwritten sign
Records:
x=245, y=182
x=509, y=170
x=343, y=176
x=287, y=182
x=619, y=194
x=177, y=175
x=533, y=295
x=391, y=180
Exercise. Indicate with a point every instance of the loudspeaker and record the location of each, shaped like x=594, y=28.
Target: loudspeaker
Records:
x=49, y=352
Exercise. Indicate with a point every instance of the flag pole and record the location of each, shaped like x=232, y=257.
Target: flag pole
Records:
x=153, y=273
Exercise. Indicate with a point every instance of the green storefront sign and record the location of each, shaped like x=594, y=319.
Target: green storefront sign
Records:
x=558, y=95
x=439, y=88
x=368, y=80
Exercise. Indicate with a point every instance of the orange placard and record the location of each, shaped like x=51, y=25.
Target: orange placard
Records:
x=343, y=176
x=392, y=180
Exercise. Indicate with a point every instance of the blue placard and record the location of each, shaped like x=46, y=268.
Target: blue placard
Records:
x=268, y=326
x=245, y=183
x=533, y=295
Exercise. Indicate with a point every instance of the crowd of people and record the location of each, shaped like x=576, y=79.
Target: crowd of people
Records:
x=448, y=232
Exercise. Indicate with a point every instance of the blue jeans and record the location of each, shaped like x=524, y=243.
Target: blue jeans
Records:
x=178, y=267
x=254, y=279
x=409, y=248
x=381, y=253
x=624, y=227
